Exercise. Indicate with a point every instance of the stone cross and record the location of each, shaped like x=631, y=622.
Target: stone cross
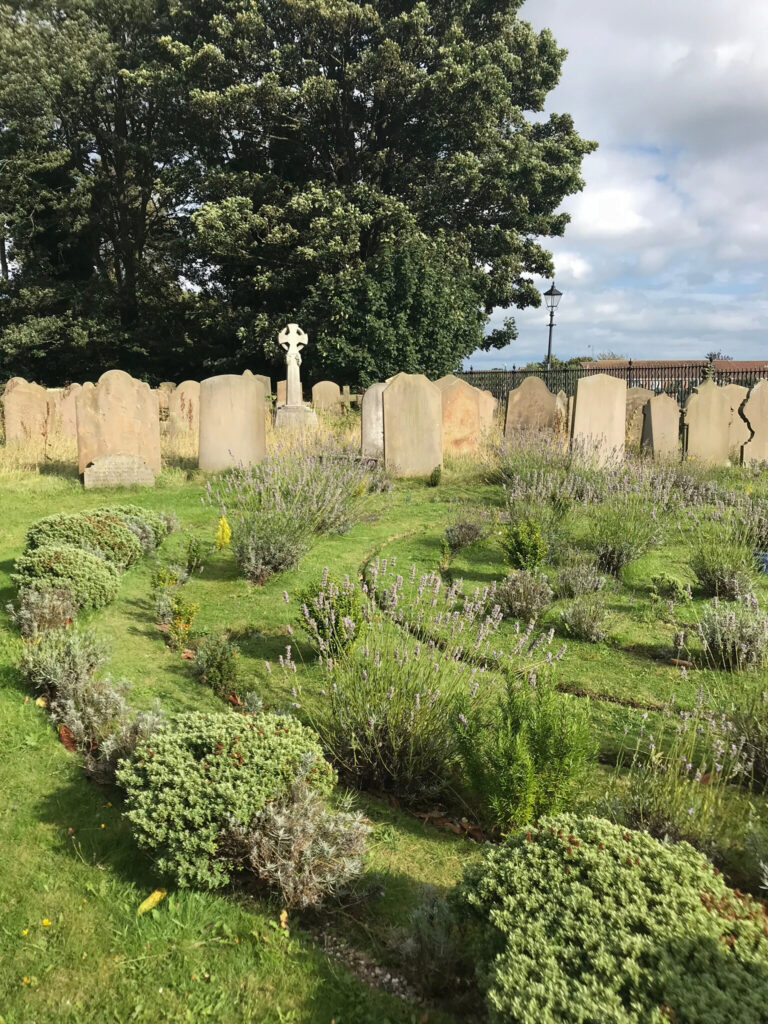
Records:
x=293, y=340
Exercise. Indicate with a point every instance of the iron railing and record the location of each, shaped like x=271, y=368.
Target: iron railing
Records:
x=676, y=379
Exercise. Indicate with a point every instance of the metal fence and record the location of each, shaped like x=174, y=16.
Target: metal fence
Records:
x=677, y=380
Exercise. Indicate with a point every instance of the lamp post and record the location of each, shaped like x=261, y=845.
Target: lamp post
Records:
x=552, y=298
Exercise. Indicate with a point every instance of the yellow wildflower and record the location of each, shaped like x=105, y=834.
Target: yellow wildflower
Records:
x=103, y=825
x=46, y=923
x=25, y=931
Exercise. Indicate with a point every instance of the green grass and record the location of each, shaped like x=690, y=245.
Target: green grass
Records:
x=224, y=957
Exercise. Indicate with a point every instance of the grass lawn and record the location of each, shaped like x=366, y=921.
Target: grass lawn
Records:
x=67, y=857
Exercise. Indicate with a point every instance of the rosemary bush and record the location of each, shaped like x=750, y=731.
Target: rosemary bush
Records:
x=217, y=664
x=91, y=580
x=98, y=531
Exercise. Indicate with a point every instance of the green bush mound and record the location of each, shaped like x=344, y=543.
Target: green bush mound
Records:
x=97, y=530
x=160, y=524
x=582, y=920
x=91, y=581
x=202, y=774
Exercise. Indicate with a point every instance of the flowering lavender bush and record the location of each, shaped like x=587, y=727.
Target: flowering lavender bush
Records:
x=524, y=595
x=586, y=618
x=734, y=636
x=268, y=542
x=622, y=530
x=331, y=615
x=748, y=719
x=679, y=792
x=724, y=563
x=577, y=575
x=524, y=753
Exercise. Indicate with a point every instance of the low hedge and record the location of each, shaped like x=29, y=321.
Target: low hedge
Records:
x=97, y=530
x=203, y=773
x=92, y=581
x=582, y=920
x=159, y=523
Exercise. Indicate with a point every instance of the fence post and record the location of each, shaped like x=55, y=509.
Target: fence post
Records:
x=629, y=374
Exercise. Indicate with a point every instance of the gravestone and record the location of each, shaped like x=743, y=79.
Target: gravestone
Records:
x=599, y=417
x=231, y=422
x=54, y=397
x=530, y=407
x=373, y=422
x=755, y=411
x=661, y=427
x=461, y=417
x=294, y=415
x=184, y=408
x=25, y=411
x=560, y=423
x=118, y=471
x=413, y=425
x=68, y=411
x=489, y=406
x=326, y=395
x=707, y=418
x=117, y=416
x=282, y=388
x=446, y=381
x=637, y=399
x=266, y=383
x=738, y=431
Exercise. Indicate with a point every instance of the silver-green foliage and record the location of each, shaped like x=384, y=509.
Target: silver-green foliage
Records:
x=41, y=610
x=586, y=618
x=62, y=658
x=200, y=773
x=734, y=636
x=582, y=920
x=92, y=581
x=523, y=595
x=300, y=849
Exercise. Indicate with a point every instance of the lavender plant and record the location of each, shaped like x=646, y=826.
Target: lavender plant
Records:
x=621, y=531
x=734, y=636
x=524, y=595
x=586, y=618
x=331, y=615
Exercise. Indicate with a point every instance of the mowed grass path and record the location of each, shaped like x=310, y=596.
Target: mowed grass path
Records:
x=224, y=957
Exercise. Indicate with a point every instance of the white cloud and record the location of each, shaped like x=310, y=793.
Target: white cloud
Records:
x=667, y=251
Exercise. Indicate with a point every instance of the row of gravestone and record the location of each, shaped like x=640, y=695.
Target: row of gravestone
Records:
x=719, y=424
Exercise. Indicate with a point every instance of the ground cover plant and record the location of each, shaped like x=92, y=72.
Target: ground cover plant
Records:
x=391, y=559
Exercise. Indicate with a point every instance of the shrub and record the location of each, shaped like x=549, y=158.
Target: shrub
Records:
x=526, y=756
x=196, y=552
x=749, y=719
x=202, y=774
x=331, y=616
x=670, y=587
x=217, y=663
x=434, y=478
x=142, y=531
x=622, y=530
x=161, y=523
x=41, y=610
x=461, y=534
x=388, y=715
x=267, y=544
x=99, y=531
x=183, y=613
x=580, y=919
x=301, y=850
x=523, y=595
x=523, y=544
x=63, y=659
x=586, y=618
x=91, y=581
x=579, y=577
x=723, y=567
x=734, y=637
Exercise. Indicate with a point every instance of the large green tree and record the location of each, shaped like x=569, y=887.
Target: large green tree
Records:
x=197, y=175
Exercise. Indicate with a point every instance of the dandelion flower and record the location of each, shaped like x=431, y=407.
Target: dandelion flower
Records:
x=46, y=923
x=25, y=931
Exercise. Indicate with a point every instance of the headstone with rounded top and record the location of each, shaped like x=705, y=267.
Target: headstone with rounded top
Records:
x=231, y=422
x=413, y=425
x=326, y=395
x=599, y=417
x=25, y=411
x=530, y=407
x=372, y=422
x=117, y=416
x=461, y=417
x=707, y=418
x=184, y=408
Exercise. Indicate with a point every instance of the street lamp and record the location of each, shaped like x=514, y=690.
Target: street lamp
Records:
x=552, y=298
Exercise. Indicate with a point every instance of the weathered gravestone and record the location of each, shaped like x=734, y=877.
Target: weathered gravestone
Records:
x=326, y=395
x=266, y=383
x=637, y=398
x=294, y=415
x=661, y=427
x=755, y=412
x=413, y=425
x=117, y=416
x=373, y=422
x=461, y=416
x=738, y=431
x=708, y=420
x=232, y=430
x=599, y=417
x=489, y=406
x=68, y=410
x=118, y=471
x=184, y=408
x=530, y=407
x=282, y=388
x=446, y=381
x=25, y=411
x=560, y=423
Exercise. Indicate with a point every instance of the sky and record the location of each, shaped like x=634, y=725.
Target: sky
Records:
x=666, y=255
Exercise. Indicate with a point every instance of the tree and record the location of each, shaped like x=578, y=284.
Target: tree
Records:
x=196, y=176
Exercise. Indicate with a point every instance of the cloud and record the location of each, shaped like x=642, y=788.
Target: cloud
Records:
x=667, y=251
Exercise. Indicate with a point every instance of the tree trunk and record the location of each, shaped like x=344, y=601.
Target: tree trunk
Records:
x=3, y=259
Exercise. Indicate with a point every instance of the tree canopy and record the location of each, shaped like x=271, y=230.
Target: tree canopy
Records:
x=179, y=181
